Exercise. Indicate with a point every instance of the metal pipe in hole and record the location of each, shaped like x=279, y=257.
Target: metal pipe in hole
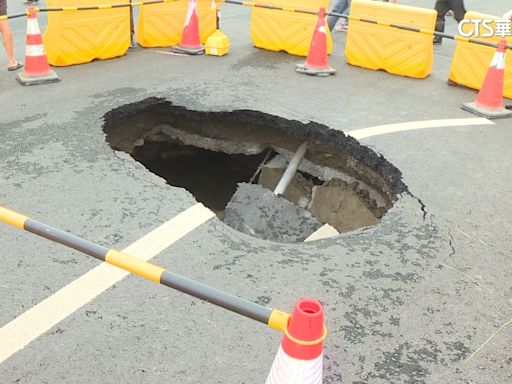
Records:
x=290, y=171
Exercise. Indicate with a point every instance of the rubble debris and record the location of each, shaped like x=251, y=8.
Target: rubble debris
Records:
x=258, y=212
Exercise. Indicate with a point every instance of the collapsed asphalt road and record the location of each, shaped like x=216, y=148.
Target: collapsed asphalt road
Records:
x=218, y=156
x=407, y=301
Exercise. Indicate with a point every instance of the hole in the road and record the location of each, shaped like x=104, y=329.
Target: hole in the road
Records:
x=232, y=161
x=210, y=176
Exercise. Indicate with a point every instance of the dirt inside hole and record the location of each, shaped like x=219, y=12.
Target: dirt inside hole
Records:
x=219, y=156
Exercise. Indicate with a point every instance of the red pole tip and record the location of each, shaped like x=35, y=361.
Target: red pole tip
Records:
x=306, y=324
x=321, y=13
x=32, y=13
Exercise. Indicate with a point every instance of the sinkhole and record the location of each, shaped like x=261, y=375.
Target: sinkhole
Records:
x=232, y=161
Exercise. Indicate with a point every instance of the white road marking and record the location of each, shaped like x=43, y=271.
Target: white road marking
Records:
x=33, y=323
x=415, y=125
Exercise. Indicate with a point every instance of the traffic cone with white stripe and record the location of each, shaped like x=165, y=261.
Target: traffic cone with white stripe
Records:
x=489, y=102
x=190, y=40
x=37, y=70
x=299, y=358
x=317, y=63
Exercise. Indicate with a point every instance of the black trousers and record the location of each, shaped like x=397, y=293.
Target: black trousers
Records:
x=443, y=6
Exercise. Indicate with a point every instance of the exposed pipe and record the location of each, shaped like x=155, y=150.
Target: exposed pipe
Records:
x=290, y=171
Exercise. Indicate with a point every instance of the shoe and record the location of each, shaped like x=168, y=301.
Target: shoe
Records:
x=15, y=67
x=450, y=13
x=438, y=41
x=341, y=28
x=30, y=2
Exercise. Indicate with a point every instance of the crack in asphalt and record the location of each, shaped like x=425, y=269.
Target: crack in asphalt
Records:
x=450, y=243
x=422, y=205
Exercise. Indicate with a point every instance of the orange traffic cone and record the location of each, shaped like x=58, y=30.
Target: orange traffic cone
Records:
x=316, y=63
x=299, y=358
x=37, y=70
x=190, y=40
x=489, y=102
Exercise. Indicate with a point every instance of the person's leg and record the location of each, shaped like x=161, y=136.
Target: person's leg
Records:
x=458, y=9
x=8, y=42
x=441, y=6
x=339, y=7
x=346, y=11
x=345, y=6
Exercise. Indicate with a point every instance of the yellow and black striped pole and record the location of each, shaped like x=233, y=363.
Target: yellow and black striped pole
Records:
x=272, y=317
x=102, y=6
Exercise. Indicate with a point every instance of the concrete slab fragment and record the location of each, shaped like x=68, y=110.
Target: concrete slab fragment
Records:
x=257, y=211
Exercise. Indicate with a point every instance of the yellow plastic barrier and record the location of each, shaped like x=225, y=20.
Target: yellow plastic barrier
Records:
x=161, y=25
x=76, y=37
x=397, y=51
x=471, y=61
x=286, y=31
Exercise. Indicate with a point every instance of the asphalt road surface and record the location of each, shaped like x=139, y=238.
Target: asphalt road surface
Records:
x=423, y=297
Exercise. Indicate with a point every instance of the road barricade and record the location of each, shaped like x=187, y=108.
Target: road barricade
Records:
x=76, y=37
x=161, y=25
x=397, y=51
x=471, y=61
x=292, y=32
